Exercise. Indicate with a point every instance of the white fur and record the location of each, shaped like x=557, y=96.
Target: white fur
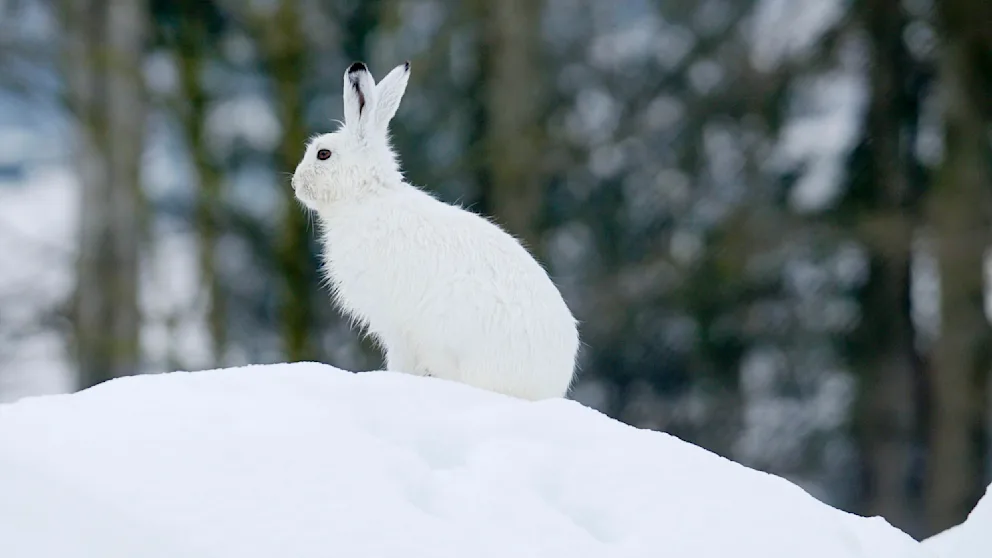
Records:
x=446, y=292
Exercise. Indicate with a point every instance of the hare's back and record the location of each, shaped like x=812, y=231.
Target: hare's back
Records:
x=482, y=277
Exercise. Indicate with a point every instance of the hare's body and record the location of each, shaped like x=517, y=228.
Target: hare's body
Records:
x=449, y=295
x=446, y=293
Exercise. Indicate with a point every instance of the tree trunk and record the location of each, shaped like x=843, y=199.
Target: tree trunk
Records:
x=959, y=216
x=285, y=54
x=284, y=47
x=887, y=414
x=359, y=24
x=191, y=53
x=887, y=411
x=513, y=135
x=104, y=44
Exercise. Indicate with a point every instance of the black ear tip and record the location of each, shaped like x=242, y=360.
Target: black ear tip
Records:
x=357, y=67
x=407, y=65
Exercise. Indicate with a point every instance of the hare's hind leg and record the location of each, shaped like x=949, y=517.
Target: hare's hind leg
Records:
x=401, y=357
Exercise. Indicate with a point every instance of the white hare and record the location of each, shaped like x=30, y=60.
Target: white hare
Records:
x=445, y=292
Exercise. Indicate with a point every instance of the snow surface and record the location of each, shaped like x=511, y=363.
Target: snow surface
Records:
x=306, y=460
x=971, y=539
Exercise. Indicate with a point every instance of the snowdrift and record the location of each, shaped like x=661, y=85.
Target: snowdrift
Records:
x=971, y=539
x=304, y=460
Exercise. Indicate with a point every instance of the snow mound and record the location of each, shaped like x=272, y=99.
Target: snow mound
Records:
x=305, y=460
x=971, y=539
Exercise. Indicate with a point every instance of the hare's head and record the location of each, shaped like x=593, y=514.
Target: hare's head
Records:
x=357, y=159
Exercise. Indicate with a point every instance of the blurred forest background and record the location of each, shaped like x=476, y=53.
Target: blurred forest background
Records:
x=771, y=216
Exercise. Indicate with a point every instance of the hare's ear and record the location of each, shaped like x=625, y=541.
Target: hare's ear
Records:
x=388, y=95
x=359, y=97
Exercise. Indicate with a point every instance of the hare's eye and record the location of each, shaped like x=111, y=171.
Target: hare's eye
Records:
x=324, y=154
